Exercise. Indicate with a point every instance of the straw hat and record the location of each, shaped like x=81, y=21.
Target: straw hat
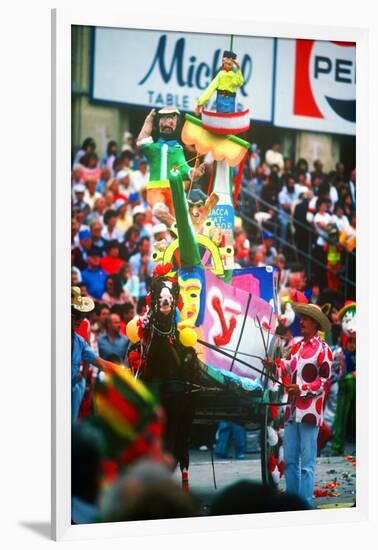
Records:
x=169, y=111
x=79, y=302
x=315, y=312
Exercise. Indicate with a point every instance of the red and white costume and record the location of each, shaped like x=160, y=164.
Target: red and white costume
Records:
x=309, y=366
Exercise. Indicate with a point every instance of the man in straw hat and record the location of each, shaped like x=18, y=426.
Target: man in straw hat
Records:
x=80, y=350
x=304, y=372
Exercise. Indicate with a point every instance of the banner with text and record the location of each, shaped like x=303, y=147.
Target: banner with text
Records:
x=301, y=84
x=316, y=86
x=157, y=68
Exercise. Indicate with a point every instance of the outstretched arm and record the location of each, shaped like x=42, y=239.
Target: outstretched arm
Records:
x=204, y=98
x=164, y=217
x=146, y=130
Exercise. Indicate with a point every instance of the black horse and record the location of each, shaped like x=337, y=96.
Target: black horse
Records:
x=170, y=368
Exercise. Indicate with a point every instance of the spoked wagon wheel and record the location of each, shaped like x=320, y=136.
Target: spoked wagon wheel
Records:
x=271, y=443
x=265, y=448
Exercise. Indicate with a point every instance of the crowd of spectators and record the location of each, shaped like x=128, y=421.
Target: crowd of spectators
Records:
x=300, y=221
x=307, y=217
x=112, y=234
x=290, y=217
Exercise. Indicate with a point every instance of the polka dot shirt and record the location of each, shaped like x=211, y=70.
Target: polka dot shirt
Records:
x=309, y=366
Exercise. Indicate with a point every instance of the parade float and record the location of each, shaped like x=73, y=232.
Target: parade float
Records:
x=209, y=324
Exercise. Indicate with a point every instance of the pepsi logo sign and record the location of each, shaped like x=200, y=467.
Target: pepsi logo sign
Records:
x=325, y=80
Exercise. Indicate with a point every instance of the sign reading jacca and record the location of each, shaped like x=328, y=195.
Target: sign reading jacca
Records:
x=155, y=69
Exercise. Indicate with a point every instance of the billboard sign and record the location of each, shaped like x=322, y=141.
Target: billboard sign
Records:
x=316, y=86
x=157, y=68
x=300, y=84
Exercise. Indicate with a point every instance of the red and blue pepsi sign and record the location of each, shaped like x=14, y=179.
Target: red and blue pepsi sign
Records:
x=316, y=86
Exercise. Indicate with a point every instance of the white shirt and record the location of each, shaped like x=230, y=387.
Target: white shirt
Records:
x=311, y=210
x=342, y=223
x=91, y=199
x=274, y=157
x=333, y=195
x=138, y=181
x=321, y=218
x=116, y=234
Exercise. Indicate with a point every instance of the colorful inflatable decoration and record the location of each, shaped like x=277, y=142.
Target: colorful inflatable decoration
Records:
x=228, y=152
x=132, y=329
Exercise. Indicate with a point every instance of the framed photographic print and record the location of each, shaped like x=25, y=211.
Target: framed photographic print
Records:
x=205, y=351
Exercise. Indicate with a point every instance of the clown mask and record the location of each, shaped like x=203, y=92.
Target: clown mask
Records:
x=191, y=298
x=348, y=323
x=168, y=124
x=193, y=294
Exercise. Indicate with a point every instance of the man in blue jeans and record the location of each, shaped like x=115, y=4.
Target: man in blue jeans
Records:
x=226, y=432
x=286, y=197
x=304, y=372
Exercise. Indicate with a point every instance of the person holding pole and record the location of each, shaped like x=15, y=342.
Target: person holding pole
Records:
x=305, y=371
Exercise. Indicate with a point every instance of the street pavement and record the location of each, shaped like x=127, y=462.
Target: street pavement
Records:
x=335, y=477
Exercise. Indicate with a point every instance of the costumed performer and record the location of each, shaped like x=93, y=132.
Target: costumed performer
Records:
x=308, y=366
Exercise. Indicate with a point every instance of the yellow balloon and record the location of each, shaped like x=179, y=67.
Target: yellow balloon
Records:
x=188, y=337
x=132, y=330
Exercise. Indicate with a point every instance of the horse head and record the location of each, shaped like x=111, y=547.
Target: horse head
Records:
x=164, y=299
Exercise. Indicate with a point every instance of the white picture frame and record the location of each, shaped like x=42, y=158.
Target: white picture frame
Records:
x=61, y=166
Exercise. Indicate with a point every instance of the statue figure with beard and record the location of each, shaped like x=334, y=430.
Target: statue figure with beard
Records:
x=165, y=153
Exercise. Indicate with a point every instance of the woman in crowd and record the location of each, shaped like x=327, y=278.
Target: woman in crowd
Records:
x=114, y=292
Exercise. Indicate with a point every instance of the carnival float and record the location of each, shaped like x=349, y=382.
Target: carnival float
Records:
x=208, y=324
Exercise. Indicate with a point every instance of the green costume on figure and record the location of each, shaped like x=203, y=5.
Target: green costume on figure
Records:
x=162, y=156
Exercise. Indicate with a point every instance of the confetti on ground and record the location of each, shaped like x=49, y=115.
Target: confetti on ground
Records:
x=331, y=485
x=350, y=459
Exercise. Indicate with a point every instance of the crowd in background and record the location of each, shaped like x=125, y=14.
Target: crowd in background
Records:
x=288, y=215
x=305, y=214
